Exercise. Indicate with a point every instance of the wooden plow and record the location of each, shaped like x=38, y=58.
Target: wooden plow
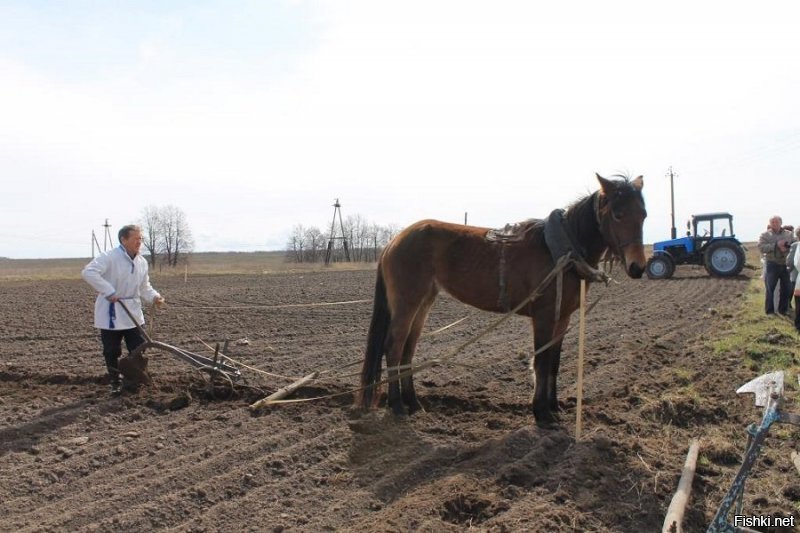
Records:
x=219, y=374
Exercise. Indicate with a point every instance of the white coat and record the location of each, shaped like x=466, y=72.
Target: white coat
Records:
x=114, y=273
x=797, y=281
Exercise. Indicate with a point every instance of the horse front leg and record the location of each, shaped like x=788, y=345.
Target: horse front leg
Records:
x=545, y=371
x=555, y=362
x=542, y=412
x=552, y=394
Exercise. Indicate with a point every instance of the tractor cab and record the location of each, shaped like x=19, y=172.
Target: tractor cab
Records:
x=709, y=226
x=709, y=241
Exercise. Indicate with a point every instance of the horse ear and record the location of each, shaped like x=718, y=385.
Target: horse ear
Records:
x=607, y=186
x=638, y=183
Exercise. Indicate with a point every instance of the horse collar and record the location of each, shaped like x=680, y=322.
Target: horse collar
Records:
x=561, y=242
x=559, y=238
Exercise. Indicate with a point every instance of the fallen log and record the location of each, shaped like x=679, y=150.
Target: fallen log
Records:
x=674, y=518
x=283, y=392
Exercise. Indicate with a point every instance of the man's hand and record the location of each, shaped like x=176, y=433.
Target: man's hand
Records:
x=783, y=245
x=160, y=301
x=112, y=298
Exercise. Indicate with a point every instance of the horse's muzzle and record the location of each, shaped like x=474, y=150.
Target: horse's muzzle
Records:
x=635, y=260
x=635, y=271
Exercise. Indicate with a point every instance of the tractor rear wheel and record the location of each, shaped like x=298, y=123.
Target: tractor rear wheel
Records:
x=724, y=258
x=660, y=266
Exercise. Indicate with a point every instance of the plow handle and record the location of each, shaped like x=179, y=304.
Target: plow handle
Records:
x=133, y=319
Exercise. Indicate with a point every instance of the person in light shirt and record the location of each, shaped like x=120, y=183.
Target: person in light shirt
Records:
x=118, y=275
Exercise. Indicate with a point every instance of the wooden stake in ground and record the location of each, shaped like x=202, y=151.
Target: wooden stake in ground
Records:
x=796, y=461
x=284, y=392
x=581, y=332
x=674, y=519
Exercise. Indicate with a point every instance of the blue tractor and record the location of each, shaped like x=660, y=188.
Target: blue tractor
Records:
x=709, y=242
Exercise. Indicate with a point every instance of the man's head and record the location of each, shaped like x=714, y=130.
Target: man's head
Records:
x=130, y=237
x=775, y=224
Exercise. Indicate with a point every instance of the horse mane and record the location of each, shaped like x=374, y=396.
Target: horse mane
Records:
x=581, y=218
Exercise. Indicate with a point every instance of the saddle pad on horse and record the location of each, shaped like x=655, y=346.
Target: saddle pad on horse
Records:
x=512, y=232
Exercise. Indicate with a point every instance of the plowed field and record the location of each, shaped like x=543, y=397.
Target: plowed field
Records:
x=72, y=458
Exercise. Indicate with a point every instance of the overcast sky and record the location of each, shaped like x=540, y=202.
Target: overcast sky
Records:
x=253, y=116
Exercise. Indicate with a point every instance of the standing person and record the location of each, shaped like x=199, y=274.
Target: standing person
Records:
x=774, y=244
x=797, y=291
x=120, y=274
x=790, y=257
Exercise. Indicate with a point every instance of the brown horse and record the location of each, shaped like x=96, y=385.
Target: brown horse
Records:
x=430, y=256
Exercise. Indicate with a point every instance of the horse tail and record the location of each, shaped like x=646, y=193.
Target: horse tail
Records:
x=376, y=345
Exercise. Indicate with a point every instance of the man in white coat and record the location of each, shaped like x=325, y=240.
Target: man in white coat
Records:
x=120, y=274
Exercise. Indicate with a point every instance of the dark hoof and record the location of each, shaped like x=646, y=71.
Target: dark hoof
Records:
x=552, y=423
x=399, y=410
x=545, y=419
x=414, y=407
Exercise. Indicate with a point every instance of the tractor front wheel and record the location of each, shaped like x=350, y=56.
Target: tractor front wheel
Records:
x=724, y=259
x=660, y=266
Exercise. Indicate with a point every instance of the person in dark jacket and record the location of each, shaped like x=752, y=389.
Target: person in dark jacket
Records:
x=774, y=244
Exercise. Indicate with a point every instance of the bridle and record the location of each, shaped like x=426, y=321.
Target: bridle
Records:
x=616, y=245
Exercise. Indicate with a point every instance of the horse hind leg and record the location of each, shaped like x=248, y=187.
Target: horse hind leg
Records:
x=409, y=393
x=398, y=335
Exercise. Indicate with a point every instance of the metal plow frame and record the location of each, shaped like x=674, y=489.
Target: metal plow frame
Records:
x=768, y=390
x=214, y=367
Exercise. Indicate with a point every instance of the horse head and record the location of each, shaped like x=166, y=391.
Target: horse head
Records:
x=620, y=215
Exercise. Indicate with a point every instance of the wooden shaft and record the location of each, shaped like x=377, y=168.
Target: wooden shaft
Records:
x=581, y=334
x=284, y=392
x=674, y=518
x=138, y=326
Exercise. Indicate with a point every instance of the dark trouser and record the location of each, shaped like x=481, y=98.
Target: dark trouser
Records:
x=777, y=276
x=112, y=346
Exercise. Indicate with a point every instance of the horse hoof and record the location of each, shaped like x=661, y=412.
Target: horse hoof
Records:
x=546, y=419
x=547, y=424
x=399, y=411
x=414, y=407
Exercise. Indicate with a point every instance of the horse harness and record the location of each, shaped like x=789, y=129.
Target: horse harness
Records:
x=559, y=240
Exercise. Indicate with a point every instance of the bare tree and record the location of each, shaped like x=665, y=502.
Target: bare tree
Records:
x=366, y=241
x=184, y=241
x=315, y=244
x=372, y=237
x=296, y=244
x=151, y=232
x=389, y=233
x=166, y=235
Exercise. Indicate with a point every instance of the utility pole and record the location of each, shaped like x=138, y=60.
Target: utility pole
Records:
x=107, y=237
x=672, y=200
x=465, y=218
x=95, y=243
x=333, y=237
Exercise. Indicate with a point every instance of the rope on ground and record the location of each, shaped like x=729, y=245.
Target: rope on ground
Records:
x=277, y=306
x=560, y=265
x=406, y=370
x=322, y=372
